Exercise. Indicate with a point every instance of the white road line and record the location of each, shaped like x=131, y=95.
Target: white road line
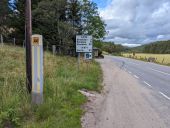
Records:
x=165, y=95
x=133, y=63
x=160, y=71
x=130, y=72
x=136, y=76
x=147, y=84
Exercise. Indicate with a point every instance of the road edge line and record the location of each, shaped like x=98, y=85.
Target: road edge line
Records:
x=165, y=95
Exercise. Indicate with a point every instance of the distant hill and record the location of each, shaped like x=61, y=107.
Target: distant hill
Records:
x=137, y=49
x=159, y=47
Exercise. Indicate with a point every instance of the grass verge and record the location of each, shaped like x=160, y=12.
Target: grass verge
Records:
x=62, y=101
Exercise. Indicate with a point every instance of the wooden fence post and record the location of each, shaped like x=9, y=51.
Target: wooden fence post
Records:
x=2, y=41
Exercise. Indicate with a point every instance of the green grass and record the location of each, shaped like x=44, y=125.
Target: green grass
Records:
x=160, y=58
x=62, y=101
x=105, y=53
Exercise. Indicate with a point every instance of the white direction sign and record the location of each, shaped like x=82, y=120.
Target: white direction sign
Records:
x=84, y=43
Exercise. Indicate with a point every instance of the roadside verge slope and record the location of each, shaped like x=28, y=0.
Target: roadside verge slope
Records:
x=62, y=100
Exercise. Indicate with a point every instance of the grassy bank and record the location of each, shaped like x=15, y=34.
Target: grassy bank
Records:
x=160, y=58
x=62, y=101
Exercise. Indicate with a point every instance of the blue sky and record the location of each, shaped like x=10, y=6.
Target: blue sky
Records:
x=100, y=3
x=135, y=22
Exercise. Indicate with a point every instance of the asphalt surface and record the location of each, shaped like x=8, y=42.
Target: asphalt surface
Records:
x=134, y=95
x=150, y=74
x=154, y=77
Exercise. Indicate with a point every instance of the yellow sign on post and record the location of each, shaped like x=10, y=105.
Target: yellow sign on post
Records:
x=35, y=41
x=37, y=69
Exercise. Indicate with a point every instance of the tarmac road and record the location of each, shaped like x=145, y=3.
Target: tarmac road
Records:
x=152, y=75
x=135, y=95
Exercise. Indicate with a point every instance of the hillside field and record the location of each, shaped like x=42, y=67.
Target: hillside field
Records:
x=160, y=58
x=62, y=101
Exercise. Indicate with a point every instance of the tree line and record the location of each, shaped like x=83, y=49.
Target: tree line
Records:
x=159, y=47
x=110, y=47
x=59, y=21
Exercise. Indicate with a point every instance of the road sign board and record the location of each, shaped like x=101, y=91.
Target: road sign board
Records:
x=84, y=43
x=88, y=56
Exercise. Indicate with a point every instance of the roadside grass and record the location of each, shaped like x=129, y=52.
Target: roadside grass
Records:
x=160, y=58
x=105, y=53
x=62, y=101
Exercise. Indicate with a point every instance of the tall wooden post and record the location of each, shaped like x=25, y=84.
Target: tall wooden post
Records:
x=28, y=34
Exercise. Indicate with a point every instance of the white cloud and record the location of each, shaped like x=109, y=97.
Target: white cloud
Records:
x=160, y=36
x=131, y=45
x=137, y=21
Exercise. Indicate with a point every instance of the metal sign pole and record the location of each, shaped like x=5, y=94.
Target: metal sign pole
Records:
x=78, y=61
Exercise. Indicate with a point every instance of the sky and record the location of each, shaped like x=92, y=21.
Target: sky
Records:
x=135, y=22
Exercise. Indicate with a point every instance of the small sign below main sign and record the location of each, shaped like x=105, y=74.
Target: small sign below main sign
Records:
x=88, y=56
x=84, y=43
